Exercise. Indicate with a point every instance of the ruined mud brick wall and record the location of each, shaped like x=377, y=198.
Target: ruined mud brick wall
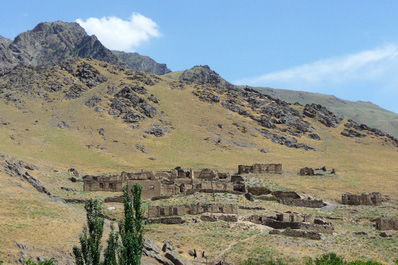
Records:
x=286, y=195
x=304, y=203
x=293, y=217
x=307, y=171
x=150, y=188
x=143, y=175
x=302, y=233
x=207, y=174
x=373, y=198
x=215, y=185
x=170, y=189
x=108, y=183
x=178, y=172
x=294, y=221
x=260, y=169
x=258, y=191
x=191, y=209
x=387, y=223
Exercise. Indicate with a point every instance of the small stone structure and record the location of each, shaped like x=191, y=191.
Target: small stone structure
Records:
x=373, y=198
x=190, y=209
x=258, y=191
x=307, y=171
x=387, y=223
x=309, y=203
x=260, y=169
x=294, y=221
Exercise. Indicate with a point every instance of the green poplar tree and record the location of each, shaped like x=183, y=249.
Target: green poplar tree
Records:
x=89, y=252
x=131, y=229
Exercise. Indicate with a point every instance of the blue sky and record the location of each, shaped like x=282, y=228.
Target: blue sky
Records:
x=345, y=48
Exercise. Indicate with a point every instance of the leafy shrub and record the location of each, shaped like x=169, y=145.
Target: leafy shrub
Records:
x=51, y=261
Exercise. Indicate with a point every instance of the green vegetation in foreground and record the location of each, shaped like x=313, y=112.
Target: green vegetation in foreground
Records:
x=131, y=228
x=45, y=262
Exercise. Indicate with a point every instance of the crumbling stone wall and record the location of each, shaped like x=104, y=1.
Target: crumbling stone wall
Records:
x=260, y=169
x=108, y=183
x=207, y=174
x=387, y=223
x=191, y=209
x=258, y=191
x=150, y=188
x=143, y=175
x=291, y=220
x=304, y=203
x=373, y=198
x=307, y=171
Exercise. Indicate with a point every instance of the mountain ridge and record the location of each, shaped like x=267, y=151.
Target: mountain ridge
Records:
x=50, y=43
x=360, y=111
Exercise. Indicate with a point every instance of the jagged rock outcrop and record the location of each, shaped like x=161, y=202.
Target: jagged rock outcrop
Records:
x=52, y=43
x=353, y=129
x=127, y=103
x=322, y=114
x=268, y=112
x=142, y=63
x=5, y=41
x=202, y=74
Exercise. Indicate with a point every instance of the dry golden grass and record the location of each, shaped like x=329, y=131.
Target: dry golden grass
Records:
x=363, y=165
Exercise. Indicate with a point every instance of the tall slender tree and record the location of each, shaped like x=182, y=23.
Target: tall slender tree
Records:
x=111, y=250
x=131, y=229
x=89, y=252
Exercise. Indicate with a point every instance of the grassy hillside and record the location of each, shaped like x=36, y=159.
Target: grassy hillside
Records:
x=31, y=132
x=361, y=112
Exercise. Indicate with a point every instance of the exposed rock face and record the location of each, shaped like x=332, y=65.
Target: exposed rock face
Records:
x=5, y=41
x=271, y=114
x=322, y=114
x=142, y=63
x=127, y=102
x=6, y=57
x=52, y=43
x=204, y=75
x=354, y=129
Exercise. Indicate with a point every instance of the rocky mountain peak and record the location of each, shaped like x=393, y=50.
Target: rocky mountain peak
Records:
x=54, y=42
x=51, y=43
x=5, y=41
x=142, y=63
x=203, y=74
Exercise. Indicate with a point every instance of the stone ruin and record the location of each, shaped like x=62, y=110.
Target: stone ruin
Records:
x=294, y=199
x=161, y=183
x=191, y=209
x=387, y=223
x=373, y=198
x=304, y=225
x=260, y=169
x=308, y=171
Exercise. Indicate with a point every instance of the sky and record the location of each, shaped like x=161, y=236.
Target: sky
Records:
x=344, y=48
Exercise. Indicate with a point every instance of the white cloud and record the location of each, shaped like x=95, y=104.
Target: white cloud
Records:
x=378, y=66
x=123, y=35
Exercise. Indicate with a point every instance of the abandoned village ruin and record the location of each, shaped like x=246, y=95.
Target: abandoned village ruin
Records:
x=159, y=185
